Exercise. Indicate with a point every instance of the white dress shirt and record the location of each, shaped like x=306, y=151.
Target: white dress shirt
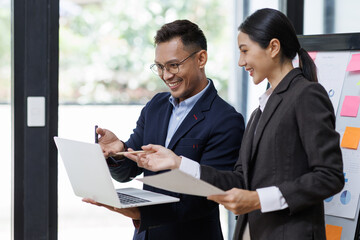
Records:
x=271, y=199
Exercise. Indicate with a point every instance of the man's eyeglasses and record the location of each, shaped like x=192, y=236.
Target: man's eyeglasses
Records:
x=172, y=68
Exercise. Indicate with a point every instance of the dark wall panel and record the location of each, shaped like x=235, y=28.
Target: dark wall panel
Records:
x=35, y=27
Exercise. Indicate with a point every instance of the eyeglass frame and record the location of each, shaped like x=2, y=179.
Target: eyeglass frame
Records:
x=167, y=68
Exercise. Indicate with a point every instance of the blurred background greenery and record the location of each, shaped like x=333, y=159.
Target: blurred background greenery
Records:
x=106, y=47
x=5, y=54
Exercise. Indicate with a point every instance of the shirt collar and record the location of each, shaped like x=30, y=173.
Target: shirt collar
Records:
x=189, y=101
x=264, y=98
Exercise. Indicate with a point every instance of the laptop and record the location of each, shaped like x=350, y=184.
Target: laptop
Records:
x=90, y=177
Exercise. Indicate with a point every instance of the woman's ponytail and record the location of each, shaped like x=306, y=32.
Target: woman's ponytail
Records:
x=307, y=65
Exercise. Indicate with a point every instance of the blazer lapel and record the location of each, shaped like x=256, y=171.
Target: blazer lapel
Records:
x=194, y=117
x=246, y=145
x=270, y=108
x=273, y=102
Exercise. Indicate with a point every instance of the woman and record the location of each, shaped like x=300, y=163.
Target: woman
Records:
x=290, y=160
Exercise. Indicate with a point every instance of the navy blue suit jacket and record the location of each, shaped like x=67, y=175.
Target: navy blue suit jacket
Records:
x=210, y=134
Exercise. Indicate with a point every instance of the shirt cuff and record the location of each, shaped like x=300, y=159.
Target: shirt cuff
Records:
x=271, y=199
x=190, y=167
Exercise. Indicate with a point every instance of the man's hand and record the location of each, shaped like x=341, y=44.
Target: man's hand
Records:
x=155, y=158
x=133, y=213
x=238, y=201
x=109, y=143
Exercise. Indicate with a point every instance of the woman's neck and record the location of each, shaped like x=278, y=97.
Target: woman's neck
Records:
x=279, y=73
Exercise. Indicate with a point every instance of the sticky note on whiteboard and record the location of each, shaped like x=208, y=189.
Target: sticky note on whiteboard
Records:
x=333, y=232
x=351, y=138
x=354, y=64
x=350, y=106
x=312, y=55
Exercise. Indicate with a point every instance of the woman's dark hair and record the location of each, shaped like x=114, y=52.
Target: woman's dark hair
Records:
x=267, y=24
x=190, y=34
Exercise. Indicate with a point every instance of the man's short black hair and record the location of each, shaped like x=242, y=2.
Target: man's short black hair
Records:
x=189, y=33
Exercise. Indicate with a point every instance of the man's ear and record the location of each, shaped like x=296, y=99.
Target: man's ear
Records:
x=274, y=47
x=202, y=58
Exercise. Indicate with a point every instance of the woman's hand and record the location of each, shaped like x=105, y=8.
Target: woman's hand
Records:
x=133, y=213
x=155, y=158
x=238, y=201
x=109, y=143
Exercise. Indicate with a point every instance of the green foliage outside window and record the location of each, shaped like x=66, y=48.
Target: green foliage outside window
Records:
x=106, y=47
x=5, y=51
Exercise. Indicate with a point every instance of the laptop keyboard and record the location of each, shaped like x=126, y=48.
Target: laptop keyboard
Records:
x=128, y=199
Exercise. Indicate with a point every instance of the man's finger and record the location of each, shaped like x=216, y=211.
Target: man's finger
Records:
x=100, y=131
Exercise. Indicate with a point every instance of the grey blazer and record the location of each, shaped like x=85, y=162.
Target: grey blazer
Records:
x=295, y=148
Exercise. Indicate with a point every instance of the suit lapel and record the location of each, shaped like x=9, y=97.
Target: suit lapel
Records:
x=271, y=106
x=196, y=114
x=250, y=135
x=269, y=110
x=163, y=123
x=246, y=144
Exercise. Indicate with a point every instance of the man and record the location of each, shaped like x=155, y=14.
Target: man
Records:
x=191, y=120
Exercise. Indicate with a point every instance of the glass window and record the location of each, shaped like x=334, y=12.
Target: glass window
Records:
x=335, y=16
x=313, y=17
x=5, y=119
x=5, y=50
x=79, y=220
x=106, y=49
x=347, y=16
x=254, y=91
x=258, y=4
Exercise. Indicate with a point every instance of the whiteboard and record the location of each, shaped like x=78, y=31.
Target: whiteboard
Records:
x=349, y=88
x=332, y=54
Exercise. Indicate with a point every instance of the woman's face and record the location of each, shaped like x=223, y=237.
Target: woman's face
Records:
x=256, y=60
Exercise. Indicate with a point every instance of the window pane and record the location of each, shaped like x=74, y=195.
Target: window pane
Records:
x=313, y=17
x=258, y=4
x=335, y=16
x=79, y=220
x=106, y=49
x=5, y=171
x=254, y=91
x=5, y=119
x=5, y=51
x=347, y=16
